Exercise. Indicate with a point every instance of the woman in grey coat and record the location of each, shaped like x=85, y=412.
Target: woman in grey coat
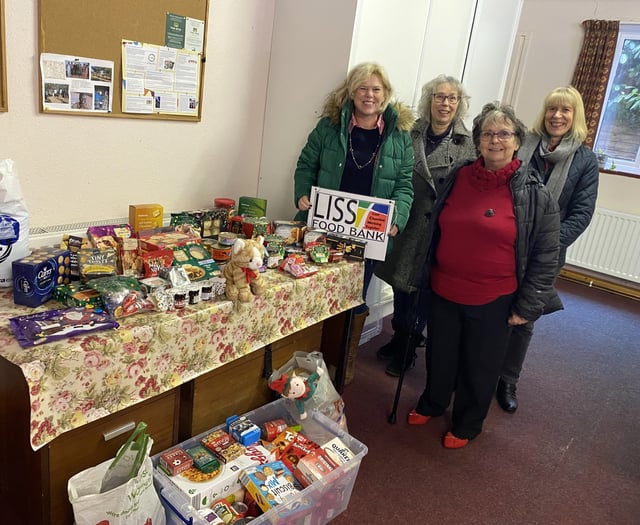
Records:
x=570, y=171
x=440, y=139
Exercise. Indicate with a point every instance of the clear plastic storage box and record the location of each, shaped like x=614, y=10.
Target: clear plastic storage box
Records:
x=317, y=504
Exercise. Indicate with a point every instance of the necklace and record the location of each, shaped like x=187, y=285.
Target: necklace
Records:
x=373, y=155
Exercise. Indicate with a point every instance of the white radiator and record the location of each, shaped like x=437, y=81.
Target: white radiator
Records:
x=610, y=245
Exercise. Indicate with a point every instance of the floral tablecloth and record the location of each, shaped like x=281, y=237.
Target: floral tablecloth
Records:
x=80, y=379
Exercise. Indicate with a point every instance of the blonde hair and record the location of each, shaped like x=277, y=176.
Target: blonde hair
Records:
x=570, y=96
x=357, y=76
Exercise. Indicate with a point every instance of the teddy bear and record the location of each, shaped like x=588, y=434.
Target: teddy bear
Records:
x=242, y=272
x=298, y=388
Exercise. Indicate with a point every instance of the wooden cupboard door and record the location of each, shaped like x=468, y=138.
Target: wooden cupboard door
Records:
x=88, y=445
x=238, y=386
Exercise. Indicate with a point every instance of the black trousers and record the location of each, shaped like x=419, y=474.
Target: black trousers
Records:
x=516, y=352
x=466, y=347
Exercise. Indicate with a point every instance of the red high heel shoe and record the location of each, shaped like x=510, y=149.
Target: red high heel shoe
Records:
x=417, y=419
x=451, y=441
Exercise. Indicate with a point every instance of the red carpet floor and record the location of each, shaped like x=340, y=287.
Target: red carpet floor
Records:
x=569, y=455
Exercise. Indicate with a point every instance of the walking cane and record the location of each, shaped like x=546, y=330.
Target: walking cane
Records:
x=405, y=355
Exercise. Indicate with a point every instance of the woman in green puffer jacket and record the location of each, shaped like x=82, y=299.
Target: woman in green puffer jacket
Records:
x=360, y=145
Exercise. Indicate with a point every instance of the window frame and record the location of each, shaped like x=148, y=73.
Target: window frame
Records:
x=620, y=166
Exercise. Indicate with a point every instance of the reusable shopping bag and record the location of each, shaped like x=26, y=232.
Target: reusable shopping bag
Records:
x=119, y=491
x=323, y=395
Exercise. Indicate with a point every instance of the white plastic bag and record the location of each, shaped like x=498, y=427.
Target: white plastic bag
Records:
x=325, y=397
x=14, y=222
x=135, y=502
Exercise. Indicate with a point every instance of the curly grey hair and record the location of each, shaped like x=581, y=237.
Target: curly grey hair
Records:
x=429, y=89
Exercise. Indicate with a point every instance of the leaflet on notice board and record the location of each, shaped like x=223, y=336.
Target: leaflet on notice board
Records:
x=158, y=79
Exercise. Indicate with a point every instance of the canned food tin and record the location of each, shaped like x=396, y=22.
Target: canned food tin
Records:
x=271, y=429
x=220, y=252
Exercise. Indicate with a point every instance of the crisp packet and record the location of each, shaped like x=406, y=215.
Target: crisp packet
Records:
x=52, y=325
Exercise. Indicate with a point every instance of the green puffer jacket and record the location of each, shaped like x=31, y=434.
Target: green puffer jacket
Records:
x=429, y=176
x=322, y=159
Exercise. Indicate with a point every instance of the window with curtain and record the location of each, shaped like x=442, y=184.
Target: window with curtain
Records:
x=608, y=77
x=617, y=141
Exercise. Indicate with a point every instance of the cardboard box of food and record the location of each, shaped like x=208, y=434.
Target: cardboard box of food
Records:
x=145, y=216
x=203, y=489
x=35, y=276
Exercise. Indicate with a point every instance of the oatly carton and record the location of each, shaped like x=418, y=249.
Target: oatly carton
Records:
x=35, y=276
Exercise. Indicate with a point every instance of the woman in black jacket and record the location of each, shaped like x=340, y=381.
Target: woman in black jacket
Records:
x=570, y=171
x=492, y=263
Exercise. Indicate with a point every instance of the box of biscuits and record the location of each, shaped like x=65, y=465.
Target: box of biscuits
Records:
x=35, y=276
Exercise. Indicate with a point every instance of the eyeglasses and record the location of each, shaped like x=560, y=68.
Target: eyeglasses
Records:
x=501, y=135
x=441, y=97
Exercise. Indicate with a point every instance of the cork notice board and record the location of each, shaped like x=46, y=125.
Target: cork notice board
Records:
x=96, y=30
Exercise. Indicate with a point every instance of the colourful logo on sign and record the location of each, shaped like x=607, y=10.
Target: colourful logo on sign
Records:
x=372, y=216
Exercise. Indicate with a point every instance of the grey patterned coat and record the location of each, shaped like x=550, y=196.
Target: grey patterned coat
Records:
x=399, y=269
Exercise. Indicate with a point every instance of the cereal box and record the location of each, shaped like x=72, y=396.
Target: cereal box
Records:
x=270, y=484
x=203, y=489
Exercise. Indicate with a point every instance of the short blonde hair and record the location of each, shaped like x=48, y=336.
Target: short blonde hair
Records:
x=570, y=96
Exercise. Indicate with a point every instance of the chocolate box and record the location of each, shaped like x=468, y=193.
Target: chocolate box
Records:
x=35, y=276
x=351, y=248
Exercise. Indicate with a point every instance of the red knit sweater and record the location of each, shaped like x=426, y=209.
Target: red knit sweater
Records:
x=475, y=257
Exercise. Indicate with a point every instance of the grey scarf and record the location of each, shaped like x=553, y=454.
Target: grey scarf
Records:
x=561, y=158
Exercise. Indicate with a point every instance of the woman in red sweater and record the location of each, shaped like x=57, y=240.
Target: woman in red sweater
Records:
x=491, y=266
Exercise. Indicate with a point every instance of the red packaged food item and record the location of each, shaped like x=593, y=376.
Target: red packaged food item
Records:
x=299, y=447
x=156, y=261
x=271, y=429
x=175, y=461
x=216, y=440
x=313, y=466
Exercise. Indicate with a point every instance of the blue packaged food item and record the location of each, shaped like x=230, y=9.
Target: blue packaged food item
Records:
x=52, y=325
x=36, y=275
x=243, y=430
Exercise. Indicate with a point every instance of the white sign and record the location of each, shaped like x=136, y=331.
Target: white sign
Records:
x=366, y=219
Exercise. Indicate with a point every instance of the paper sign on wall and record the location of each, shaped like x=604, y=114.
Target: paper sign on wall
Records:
x=357, y=216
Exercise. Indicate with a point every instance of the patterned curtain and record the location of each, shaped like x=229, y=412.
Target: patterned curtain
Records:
x=592, y=71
